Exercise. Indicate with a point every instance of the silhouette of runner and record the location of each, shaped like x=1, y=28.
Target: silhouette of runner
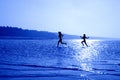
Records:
x=60, y=35
x=84, y=40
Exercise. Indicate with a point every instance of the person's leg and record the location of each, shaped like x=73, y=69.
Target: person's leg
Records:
x=63, y=43
x=58, y=43
x=86, y=44
x=82, y=43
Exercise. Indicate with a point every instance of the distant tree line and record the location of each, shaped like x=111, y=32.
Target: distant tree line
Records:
x=6, y=31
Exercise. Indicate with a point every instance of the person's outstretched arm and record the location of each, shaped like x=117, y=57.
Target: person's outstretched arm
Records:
x=87, y=37
x=81, y=37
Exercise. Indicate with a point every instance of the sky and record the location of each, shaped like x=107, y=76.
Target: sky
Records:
x=100, y=18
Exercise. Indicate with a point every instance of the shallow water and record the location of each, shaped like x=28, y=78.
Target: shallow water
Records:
x=43, y=60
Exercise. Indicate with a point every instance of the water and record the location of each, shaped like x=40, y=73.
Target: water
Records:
x=43, y=60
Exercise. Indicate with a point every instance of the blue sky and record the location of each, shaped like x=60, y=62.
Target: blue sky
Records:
x=99, y=18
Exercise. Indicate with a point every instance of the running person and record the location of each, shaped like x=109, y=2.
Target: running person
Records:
x=60, y=35
x=84, y=40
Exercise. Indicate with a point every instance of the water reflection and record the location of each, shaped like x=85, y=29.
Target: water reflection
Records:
x=86, y=66
x=86, y=55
